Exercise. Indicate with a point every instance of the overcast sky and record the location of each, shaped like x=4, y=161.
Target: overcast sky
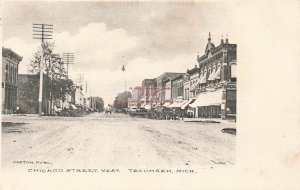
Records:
x=153, y=37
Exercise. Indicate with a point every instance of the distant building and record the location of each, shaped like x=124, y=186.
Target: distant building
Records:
x=216, y=87
x=161, y=88
x=135, y=100
x=28, y=93
x=177, y=87
x=149, y=93
x=10, y=70
x=79, y=96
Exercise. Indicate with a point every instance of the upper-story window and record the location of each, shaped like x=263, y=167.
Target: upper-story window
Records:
x=11, y=74
x=6, y=73
x=16, y=75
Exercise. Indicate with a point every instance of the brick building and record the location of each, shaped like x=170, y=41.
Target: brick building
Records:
x=216, y=87
x=10, y=70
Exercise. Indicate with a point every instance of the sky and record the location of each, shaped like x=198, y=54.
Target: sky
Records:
x=149, y=38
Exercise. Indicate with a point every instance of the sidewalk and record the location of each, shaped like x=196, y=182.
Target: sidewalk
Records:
x=217, y=120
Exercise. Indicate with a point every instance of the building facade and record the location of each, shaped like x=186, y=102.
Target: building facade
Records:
x=177, y=87
x=149, y=94
x=10, y=70
x=136, y=96
x=28, y=100
x=161, y=88
x=216, y=87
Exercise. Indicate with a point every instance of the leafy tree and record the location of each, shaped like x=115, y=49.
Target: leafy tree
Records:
x=99, y=104
x=121, y=100
x=56, y=75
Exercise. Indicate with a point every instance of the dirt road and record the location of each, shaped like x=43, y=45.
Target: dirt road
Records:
x=113, y=140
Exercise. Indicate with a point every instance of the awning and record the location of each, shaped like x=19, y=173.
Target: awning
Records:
x=167, y=104
x=183, y=106
x=211, y=76
x=172, y=105
x=73, y=106
x=198, y=82
x=203, y=79
x=148, y=107
x=233, y=71
x=208, y=99
x=176, y=103
x=218, y=73
x=180, y=103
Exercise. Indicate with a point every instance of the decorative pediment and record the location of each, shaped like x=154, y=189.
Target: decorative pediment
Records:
x=209, y=48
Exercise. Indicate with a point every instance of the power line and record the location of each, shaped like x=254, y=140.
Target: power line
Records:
x=42, y=32
x=68, y=58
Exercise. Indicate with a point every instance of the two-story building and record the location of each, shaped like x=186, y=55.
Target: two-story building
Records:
x=10, y=70
x=216, y=87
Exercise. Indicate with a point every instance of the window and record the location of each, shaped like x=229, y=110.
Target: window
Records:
x=6, y=73
x=10, y=74
x=16, y=75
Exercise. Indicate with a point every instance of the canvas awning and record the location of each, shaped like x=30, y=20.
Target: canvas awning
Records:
x=203, y=78
x=208, y=99
x=167, y=104
x=148, y=107
x=172, y=105
x=211, y=76
x=198, y=82
x=73, y=107
x=218, y=73
x=176, y=104
x=180, y=103
x=183, y=106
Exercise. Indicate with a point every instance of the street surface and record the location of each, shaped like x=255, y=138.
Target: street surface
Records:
x=114, y=140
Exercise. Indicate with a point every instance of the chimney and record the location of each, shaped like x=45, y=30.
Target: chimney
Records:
x=222, y=40
x=226, y=40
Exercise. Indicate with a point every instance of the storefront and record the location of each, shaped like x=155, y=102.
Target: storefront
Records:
x=208, y=104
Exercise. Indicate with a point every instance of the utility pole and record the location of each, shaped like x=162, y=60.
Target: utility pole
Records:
x=68, y=58
x=42, y=32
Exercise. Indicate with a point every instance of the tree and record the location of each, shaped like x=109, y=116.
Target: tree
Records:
x=56, y=75
x=99, y=103
x=121, y=100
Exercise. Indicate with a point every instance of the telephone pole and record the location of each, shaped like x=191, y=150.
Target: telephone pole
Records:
x=42, y=32
x=68, y=58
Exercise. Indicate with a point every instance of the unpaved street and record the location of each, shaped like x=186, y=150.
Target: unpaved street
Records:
x=115, y=140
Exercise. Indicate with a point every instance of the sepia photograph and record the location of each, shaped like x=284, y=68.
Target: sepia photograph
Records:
x=121, y=87
x=127, y=84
